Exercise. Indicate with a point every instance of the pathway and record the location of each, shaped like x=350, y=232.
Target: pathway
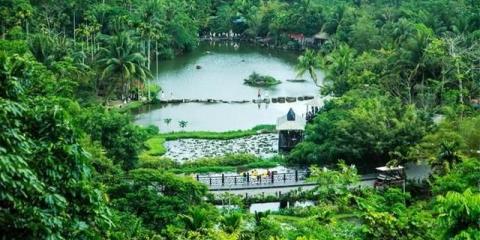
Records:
x=413, y=172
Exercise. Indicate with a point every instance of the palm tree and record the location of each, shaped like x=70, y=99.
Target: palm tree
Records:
x=309, y=62
x=150, y=29
x=447, y=158
x=167, y=121
x=337, y=67
x=182, y=124
x=44, y=48
x=122, y=64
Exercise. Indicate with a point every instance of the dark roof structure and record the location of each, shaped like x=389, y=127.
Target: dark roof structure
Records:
x=291, y=115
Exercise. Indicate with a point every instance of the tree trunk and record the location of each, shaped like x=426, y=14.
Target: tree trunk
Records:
x=460, y=88
x=26, y=27
x=93, y=47
x=74, y=25
x=156, y=56
x=148, y=53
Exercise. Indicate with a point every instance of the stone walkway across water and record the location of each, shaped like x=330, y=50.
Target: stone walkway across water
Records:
x=260, y=100
x=188, y=149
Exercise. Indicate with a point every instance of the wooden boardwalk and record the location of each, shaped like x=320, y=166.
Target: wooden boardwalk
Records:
x=247, y=181
x=297, y=178
x=283, y=183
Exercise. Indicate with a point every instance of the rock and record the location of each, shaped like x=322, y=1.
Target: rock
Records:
x=300, y=98
x=198, y=67
x=308, y=97
x=281, y=99
x=296, y=80
x=291, y=99
x=274, y=100
x=175, y=101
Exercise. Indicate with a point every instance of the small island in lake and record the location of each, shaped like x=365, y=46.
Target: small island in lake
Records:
x=258, y=80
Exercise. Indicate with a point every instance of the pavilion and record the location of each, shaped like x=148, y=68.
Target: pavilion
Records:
x=291, y=130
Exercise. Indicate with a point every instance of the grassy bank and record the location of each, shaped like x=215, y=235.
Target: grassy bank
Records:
x=227, y=163
x=155, y=146
x=217, y=165
x=219, y=135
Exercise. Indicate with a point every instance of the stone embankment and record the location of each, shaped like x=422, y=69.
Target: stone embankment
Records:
x=262, y=100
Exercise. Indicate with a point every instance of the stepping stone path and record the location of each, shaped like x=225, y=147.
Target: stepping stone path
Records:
x=263, y=145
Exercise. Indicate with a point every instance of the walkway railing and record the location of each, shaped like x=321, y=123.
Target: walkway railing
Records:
x=249, y=181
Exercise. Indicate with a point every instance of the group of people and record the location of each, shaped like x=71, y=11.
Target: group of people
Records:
x=312, y=113
x=259, y=95
x=258, y=176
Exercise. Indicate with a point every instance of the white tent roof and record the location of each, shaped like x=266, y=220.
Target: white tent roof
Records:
x=386, y=169
x=322, y=35
x=298, y=124
x=315, y=102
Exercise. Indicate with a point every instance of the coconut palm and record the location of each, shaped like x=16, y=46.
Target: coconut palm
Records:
x=447, y=158
x=309, y=62
x=121, y=64
x=182, y=124
x=167, y=121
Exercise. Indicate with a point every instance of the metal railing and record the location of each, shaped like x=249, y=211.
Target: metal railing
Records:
x=248, y=180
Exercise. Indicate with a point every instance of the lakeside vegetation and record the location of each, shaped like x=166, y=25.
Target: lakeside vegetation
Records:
x=259, y=129
x=72, y=169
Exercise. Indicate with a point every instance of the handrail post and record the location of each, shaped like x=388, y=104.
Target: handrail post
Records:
x=296, y=175
x=271, y=174
x=210, y=179
x=223, y=179
x=198, y=178
x=284, y=177
x=235, y=180
x=248, y=178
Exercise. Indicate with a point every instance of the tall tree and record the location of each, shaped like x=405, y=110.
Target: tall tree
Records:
x=121, y=65
x=309, y=62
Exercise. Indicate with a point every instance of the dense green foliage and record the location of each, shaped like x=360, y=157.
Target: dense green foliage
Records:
x=73, y=169
x=257, y=80
x=364, y=127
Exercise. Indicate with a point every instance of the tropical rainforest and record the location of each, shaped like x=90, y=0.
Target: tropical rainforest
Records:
x=75, y=166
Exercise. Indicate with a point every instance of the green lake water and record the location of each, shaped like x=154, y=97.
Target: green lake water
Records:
x=223, y=69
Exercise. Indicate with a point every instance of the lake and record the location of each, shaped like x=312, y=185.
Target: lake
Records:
x=223, y=69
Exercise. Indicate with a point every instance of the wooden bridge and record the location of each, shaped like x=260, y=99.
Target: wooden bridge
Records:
x=280, y=183
x=247, y=181
x=232, y=183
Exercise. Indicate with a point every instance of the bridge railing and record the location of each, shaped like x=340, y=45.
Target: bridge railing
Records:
x=249, y=180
